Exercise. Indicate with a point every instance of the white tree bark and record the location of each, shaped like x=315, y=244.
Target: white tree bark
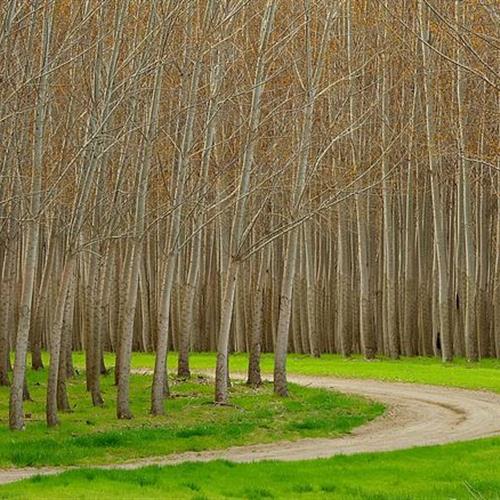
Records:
x=233, y=266
x=16, y=414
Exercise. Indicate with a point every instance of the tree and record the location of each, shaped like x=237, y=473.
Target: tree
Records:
x=16, y=414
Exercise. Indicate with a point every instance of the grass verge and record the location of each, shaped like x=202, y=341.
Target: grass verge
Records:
x=90, y=435
x=461, y=471
x=483, y=375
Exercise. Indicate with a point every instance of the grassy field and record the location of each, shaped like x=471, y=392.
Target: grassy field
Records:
x=483, y=375
x=459, y=471
x=90, y=435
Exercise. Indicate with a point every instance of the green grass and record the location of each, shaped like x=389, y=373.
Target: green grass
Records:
x=461, y=471
x=483, y=375
x=90, y=435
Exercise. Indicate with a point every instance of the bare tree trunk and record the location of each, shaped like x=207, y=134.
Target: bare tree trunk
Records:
x=410, y=313
x=368, y=345
x=67, y=334
x=314, y=334
x=344, y=288
x=390, y=277
x=125, y=344
x=7, y=291
x=41, y=301
x=483, y=305
x=55, y=342
x=160, y=379
x=16, y=415
x=232, y=269
x=496, y=278
x=313, y=78
x=438, y=214
x=254, y=378
x=94, y=329
x=471, y=341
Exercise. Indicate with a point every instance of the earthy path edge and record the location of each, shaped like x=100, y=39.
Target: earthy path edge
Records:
x=417, y=415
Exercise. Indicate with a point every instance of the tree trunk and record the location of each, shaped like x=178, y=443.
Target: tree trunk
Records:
x=254, y=378
x=313, y=78
x=16, y=415
x=125, y=342
x=390, y=276
x=443, y=298
x=55, y=342
x=344, y=288
x=233, y=265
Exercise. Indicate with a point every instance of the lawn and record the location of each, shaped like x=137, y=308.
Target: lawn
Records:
x=482, y=375
x=461, y=471
x=90, y=435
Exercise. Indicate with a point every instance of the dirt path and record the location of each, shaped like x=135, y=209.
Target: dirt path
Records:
x=418, y=415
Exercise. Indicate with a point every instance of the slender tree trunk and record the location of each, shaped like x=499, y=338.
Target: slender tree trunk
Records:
x=471, y=342
x=127, y=323
x=6, y=290
x=314, y=334
x=196, y=248
x=443, y=298
x=232, y=269
x=16, y=415
x=55, y=342
x=368, y=344
x=125, y=343
x=390, y=278
x=344, y=288
x=410, y=313
x=94, y=334
x=66, y=337
x=254, y=378
x=160, y=379
x=496, y=278
x=313, y=78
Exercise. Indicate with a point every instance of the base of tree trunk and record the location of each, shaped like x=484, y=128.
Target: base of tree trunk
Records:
x=281, y=391
x=4, y=380
x=221, y=397
x=124, y=414
x=254, y=378
x=280, y=385
x=183, y=373
x=254, y=382
x=26, y=392
x=63, y=405
x=36, y=360
x=52, y=421
x=103, y=370
x=157, y=411
x=97, y=399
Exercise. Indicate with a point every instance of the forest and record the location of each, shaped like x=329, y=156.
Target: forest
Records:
x=270, y=177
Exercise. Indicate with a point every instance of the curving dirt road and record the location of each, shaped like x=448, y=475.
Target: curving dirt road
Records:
x=417, y=415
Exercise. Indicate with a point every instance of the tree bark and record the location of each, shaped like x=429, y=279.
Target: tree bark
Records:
x=443, y=297
x=232, y=268
x=16, y=415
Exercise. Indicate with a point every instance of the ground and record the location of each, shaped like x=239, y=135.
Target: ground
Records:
x=90, y=435
x=482, y=375
x=462, y=470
